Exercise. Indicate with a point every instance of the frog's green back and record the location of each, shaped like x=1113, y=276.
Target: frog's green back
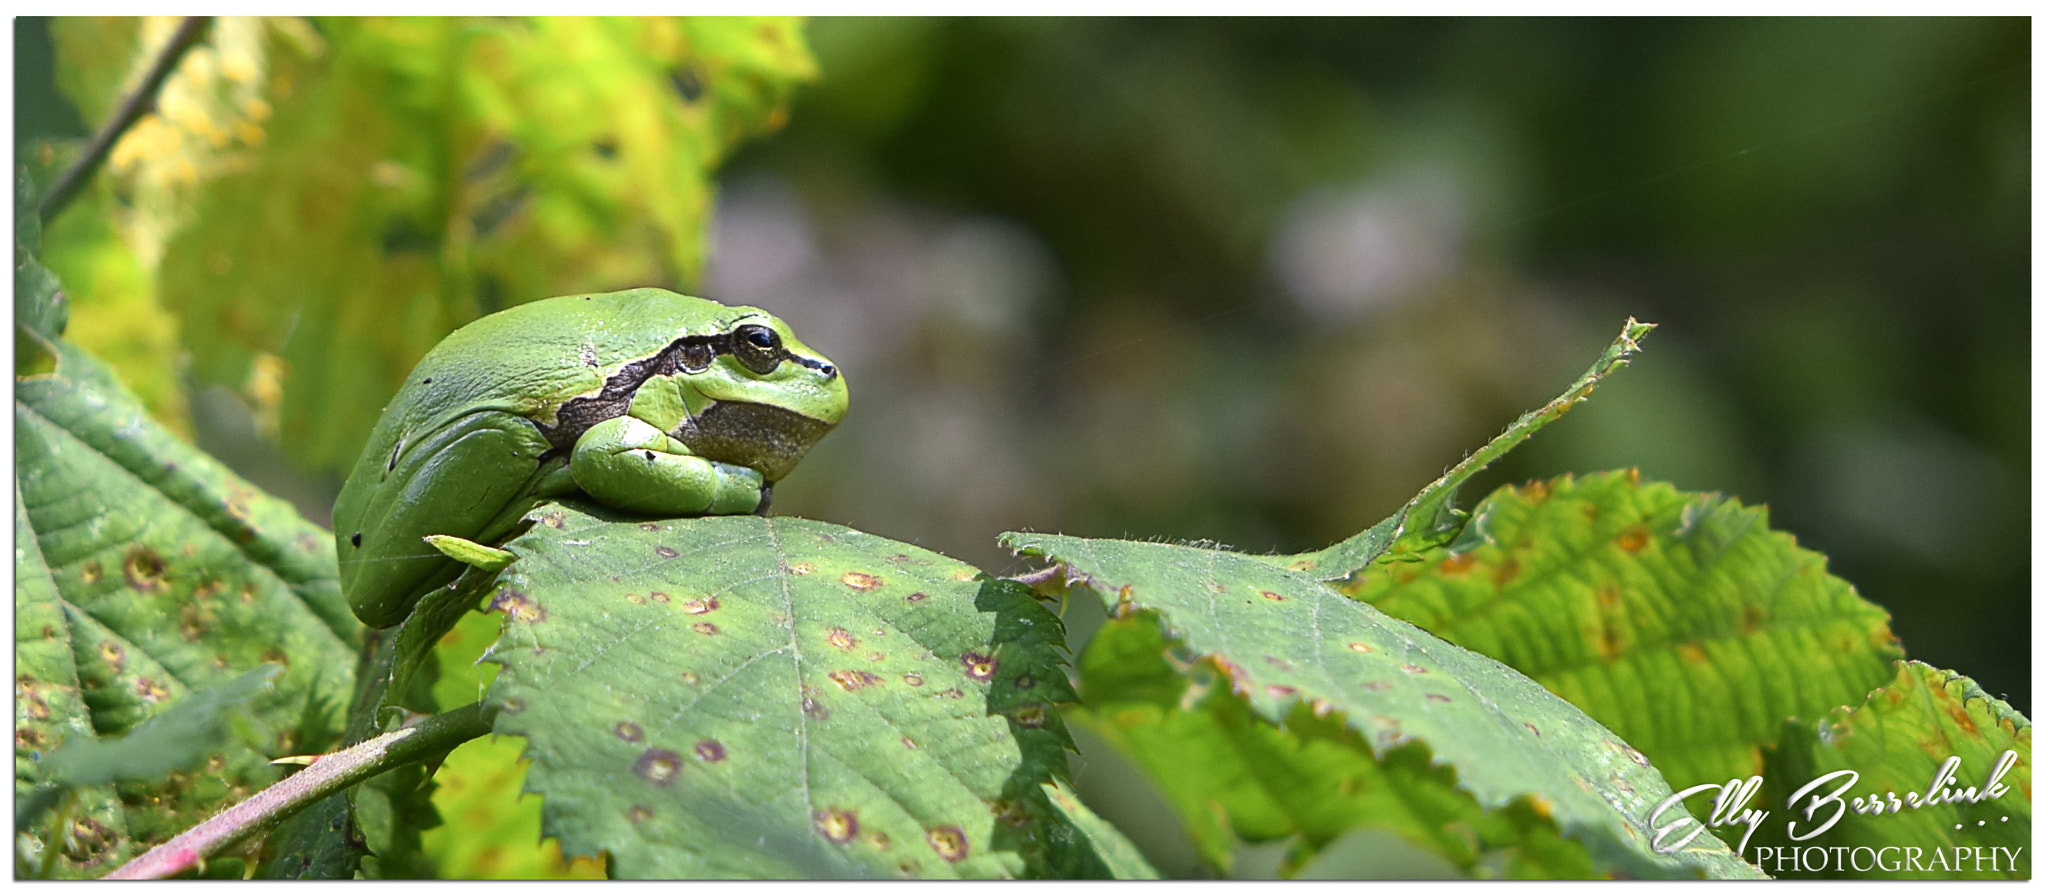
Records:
x=456, y=453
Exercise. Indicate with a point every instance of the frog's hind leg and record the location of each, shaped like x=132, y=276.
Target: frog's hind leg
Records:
x=471, y=477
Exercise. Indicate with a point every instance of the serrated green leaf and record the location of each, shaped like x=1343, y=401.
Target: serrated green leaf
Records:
x=768, y=697
x=1897, y=743
x=1098, y=849
x=171, y=575
x=1431, y=517
x=1232, y=777
x=1679, y=620
x=1282, y=638
x=177, y=739
x=49, y=710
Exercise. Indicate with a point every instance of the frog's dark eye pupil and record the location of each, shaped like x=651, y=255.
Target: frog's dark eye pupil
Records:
x=757, y=347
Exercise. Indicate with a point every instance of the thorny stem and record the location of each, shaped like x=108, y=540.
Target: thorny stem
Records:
x=327, y=776
x=132, y=108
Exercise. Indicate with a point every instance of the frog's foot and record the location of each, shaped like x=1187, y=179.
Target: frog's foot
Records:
x=626, y=463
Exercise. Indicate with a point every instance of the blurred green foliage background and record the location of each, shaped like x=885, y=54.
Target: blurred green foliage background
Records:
x=1258, y=281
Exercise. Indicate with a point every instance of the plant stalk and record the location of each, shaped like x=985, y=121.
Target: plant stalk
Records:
x=328, y=775
x=132, y=108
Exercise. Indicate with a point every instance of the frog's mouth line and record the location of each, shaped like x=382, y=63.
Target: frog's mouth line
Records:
x=767, y=438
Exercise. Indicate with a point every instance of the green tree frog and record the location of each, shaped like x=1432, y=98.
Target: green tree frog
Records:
x=643, y=400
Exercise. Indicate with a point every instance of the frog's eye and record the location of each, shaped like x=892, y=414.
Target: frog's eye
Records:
x=757, y=347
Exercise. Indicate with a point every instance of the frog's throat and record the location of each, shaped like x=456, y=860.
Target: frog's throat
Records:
x=765, y=437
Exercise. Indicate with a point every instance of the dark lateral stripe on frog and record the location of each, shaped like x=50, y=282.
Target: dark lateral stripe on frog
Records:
x=689, y=354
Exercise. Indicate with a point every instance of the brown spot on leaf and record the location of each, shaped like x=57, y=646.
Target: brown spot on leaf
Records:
x=1532, y=728
x=979, y=667
x=1279, y=690
x=634, y=598
x=113, y=655
x=665, y=552
x=913, y=679
x=710, y=751
x=1374, y=685
x=1439, y=698
x=151, y=691
x=90, y=573
x=1633, y=539
x=1535, y=491
x=837, y=825
x=704, y=628
x=1609, y=596
x=1608, y=642
x=914, y=597
x=1010, y=812
x=1278, y=663
x=1457, y=564
x=949, y=842
x=512, y=705
x=909, y=744
x=698, y=606
x=1507, y=570
x=841, y=638
x=518, y=607
x=876, y=656
x=861, y=581
x=1753, y=617
x=1691, y=652
x=660, y=597
x=815, y=710
x=802, y=569
x=191, y=622
x=144, y=569
x=639, y=814
x=1031, y=716
x=658, y=766
x=854, y=679
x=688, y=678
x=952, y=693
x=1413, y=669
x=1361, y=647
x=650, y=527
x=628, y=732
x=1271, y=596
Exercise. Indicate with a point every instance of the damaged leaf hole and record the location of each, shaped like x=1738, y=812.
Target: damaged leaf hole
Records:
x=861, y=581
x=979, y=667
x=949, y=842
x=700, y=605
x=837, y=825
x=658, y=766
x=144, y=569
x=518, y=607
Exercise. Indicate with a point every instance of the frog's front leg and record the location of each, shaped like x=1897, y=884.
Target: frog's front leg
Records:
x=626, y=463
